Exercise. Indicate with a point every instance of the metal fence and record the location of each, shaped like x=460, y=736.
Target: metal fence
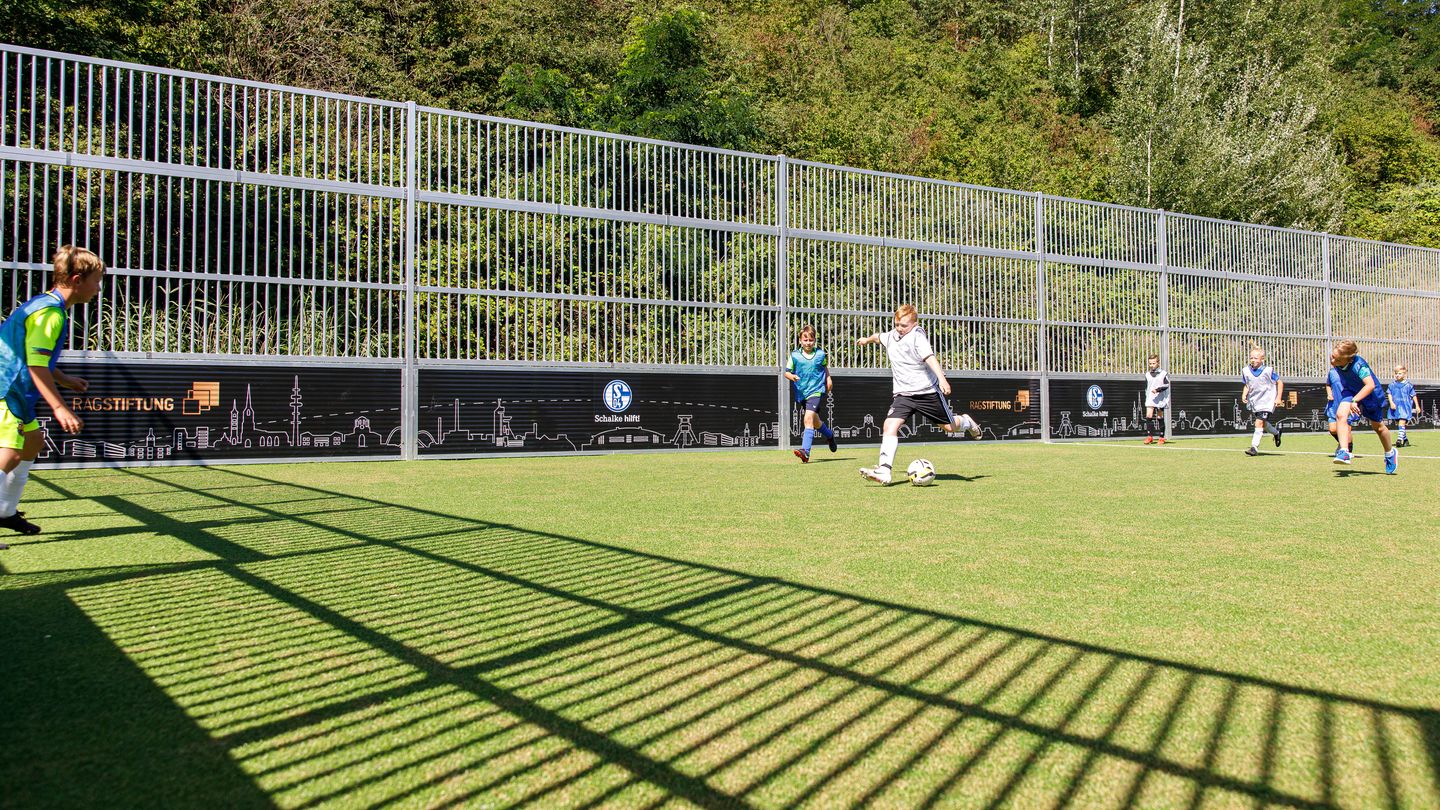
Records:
x=246, y=220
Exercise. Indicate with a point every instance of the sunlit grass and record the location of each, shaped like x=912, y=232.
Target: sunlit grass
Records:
x=1049, y=625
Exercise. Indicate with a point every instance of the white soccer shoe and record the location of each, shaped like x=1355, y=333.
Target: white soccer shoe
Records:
x=880, y=475
x=970, y=426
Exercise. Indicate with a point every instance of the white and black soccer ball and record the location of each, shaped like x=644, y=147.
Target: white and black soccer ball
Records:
x=921, y=472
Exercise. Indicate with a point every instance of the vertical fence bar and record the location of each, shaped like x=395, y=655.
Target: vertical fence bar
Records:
x=1041, y=339
x=1162, y=259
x=1329, y=282
x=410, y=376
x=782, y=287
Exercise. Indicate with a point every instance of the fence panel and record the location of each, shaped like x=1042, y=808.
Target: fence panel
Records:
x=241, y=219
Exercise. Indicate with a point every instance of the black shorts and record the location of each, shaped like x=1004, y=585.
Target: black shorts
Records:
x=1263, y=416
x=932, y=406
x=813, y=404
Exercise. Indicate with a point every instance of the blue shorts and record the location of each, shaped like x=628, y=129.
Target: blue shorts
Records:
x=1371, y=408
x=812, y=404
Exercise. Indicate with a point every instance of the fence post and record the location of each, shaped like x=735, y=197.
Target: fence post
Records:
x=782, y=293
x=410, y=376
x=1162, y=258
x=1329, y=324
x=1041, y=339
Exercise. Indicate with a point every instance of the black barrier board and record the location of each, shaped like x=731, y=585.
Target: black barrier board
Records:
x=466, y=411
x=144, y=412
x=1211, y=407
x=1429, y=414
x=1097, y=408
x=1005, y=407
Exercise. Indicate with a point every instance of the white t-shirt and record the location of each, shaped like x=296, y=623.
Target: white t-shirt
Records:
x=1157, y=388
x=907, y=361
x=1261, y=386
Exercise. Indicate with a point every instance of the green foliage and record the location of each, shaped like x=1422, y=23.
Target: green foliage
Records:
x=1311, y=112
x=666, y=86
x=1403, y=213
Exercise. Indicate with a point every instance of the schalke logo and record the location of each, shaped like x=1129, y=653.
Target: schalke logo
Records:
x=1095, y=397
x=617, y=395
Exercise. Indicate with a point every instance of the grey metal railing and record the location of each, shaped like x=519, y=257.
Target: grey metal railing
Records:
x=243, y=220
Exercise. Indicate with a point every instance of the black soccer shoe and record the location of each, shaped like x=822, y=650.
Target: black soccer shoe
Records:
x=1277, y=436
x=1250, y=451
x=831, y=441
x=19, y=524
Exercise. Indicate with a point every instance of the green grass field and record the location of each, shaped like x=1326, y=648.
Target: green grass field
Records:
x=1063, y=625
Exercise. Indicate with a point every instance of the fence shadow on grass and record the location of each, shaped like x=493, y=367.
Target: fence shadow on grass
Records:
x=344, y=650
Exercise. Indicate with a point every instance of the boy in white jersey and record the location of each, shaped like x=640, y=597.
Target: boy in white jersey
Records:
x=1263, y=389
x=1157, y=399
x=918, y=387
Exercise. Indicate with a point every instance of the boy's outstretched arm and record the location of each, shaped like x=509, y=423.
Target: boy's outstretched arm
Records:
x=45, y=382
x=868, y=339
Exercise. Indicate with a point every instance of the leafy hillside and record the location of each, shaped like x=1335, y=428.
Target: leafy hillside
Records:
x=1313, y=113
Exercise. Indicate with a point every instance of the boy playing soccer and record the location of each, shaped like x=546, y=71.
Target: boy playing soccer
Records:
x=809, y=373
x=1355, y=388
x=30, y=343
x=1403, y=404
x=918, y=386
x=1157, y=399
x=1263, y=388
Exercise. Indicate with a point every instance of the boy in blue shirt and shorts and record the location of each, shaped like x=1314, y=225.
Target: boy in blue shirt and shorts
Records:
x=1403, y=404
x=809, y=374
x=1356, y=389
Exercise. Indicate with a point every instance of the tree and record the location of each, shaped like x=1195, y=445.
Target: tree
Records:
x=1235, y=141
x=667, y=88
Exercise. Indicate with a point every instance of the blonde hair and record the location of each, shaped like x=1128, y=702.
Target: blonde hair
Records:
x=906, y=310
x=1346, y=350
x=71, y=261
x=807, y=329
x=1153, y=357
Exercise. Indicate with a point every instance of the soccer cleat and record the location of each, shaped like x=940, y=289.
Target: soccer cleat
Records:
x=831, y=441
x=1149, y=439
x=971, y=427
x=1250, y=451
x=1160, y=440
x=1277, y=437
x=1344, y=457
x=19, y=524
x=1392, y=461
x=802, y=455
x=879, y=475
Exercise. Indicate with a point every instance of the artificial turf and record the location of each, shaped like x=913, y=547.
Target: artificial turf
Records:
x=1084, y=625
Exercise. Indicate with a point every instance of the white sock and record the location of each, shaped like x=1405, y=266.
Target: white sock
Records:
x=12, y=486
x=888, y=444
x=1255, y=442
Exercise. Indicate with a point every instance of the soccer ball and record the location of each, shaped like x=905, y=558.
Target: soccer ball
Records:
x=921, y=472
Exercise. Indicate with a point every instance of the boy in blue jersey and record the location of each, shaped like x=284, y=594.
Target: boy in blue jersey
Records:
x=1356, y=388
x=30, y=343
x=809, y=374
x=1403, y=404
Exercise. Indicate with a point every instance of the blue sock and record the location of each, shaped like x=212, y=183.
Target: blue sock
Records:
x=825, y=430
x=809, y=439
